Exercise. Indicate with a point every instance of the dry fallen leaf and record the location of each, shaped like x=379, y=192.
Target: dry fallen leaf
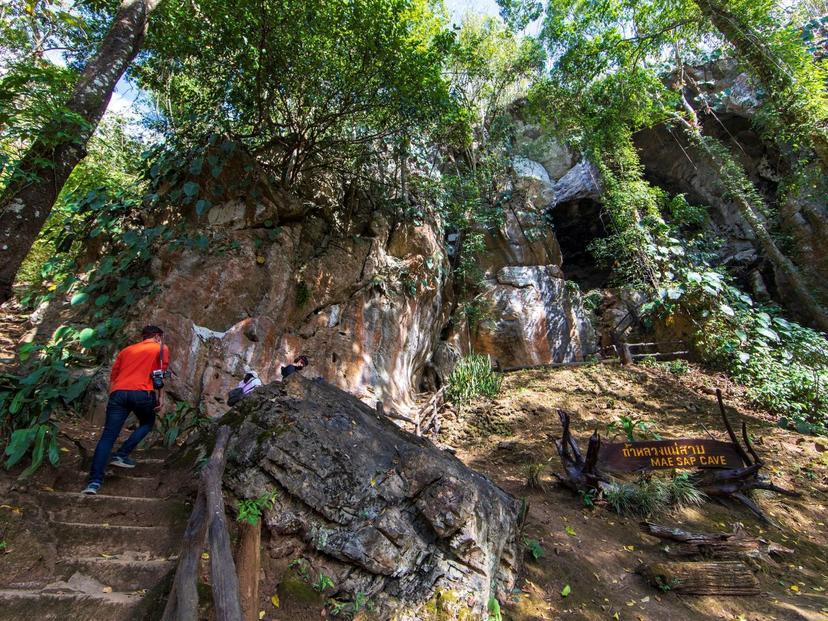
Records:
x=106, y=589
x=274, y=599
x=261, y=614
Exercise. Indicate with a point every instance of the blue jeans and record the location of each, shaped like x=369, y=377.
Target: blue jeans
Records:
x=121, y=403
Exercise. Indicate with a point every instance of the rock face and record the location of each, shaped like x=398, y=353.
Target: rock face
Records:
x=531, y=315
x=580, y=182
x=382, y=512
x=536, y=318
x=367, y=307
x=673, y=164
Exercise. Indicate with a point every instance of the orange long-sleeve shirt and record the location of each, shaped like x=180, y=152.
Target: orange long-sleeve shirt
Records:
x=134, y=364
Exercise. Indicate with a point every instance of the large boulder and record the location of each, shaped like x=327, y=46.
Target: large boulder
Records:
x=534, y=317
x=382, y=512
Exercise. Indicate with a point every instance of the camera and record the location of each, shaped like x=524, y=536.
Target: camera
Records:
x=157, y=377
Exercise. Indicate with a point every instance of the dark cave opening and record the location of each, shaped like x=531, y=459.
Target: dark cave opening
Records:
x=577, y=223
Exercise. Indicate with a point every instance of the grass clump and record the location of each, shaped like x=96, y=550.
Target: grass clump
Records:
x=472, y=378
x=652, y=495
x=533, y=475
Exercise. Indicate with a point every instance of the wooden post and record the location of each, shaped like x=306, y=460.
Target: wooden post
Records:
x=182, y=602
x=222, y=568
x=626, y=354
x=248, y=561
x=207, y=519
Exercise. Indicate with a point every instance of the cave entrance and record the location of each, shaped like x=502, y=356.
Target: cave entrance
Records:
x=577, y=223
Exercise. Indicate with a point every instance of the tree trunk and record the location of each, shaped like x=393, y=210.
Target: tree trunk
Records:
x=40, y=175
x=248, y=562
x=751, y=48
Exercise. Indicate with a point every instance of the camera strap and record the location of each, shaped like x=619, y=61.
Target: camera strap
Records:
x=161, y=355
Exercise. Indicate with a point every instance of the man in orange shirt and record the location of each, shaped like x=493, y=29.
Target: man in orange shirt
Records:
x=131, y=389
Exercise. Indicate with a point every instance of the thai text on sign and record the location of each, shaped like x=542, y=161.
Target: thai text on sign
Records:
x=656, y=454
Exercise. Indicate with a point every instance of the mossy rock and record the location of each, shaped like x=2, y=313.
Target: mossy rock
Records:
x=293, y=588
x=445, y=605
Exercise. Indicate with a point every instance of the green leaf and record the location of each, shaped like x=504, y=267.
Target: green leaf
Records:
x=101, y=300
x=190, y=189
x=196, y=165
x=17, y=402
x=37, y=454
x=76, y=389
x=87, y=337
x=566, y=591
x=727, y=310
x=34, y=377
x=54, y=450
x=19, y=445
x=202, y=206
x=79, y=298
x=768, y=333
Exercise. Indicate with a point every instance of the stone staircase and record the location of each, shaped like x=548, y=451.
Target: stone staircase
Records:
x=12, y=328
x=111, y=548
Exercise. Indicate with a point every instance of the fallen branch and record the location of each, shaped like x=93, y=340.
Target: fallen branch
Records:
x=581, y=472
x=693, y=578
x=739, y=482
x=733, y=545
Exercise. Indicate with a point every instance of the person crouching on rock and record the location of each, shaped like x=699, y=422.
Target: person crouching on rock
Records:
x=135, y=386
x=298, y=364
x=249, y=383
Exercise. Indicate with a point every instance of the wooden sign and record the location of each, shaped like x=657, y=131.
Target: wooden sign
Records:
x=659, y=454
x=727, y=469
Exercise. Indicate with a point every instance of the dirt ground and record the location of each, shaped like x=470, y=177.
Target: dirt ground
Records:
x=594, y=551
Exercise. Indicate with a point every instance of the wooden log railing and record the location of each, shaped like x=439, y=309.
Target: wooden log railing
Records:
x=425, y=418
x=207, y=524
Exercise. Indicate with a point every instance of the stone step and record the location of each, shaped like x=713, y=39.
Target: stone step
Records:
x=122, y=574
x=153, y=452
x=43, y=606
x=110, y=509
x=121, y=483
x=84, y=540
x=145, y=467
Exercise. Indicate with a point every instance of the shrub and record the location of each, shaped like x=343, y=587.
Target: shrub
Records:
x=471, y=378
x=678, y=367
x=533, y=475
x=534, y=548
x=783, y=364
x=250, y=510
